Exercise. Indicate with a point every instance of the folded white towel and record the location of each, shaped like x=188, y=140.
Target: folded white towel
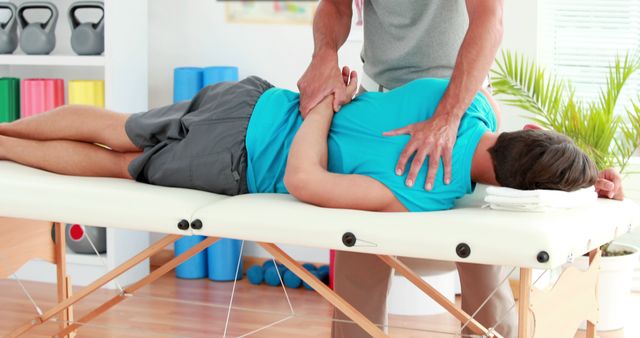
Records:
x=501, y=198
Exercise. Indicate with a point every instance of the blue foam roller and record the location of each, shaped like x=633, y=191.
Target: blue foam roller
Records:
x=291, y=280
x=255, y=275
x=213, y=75
x=187, y=82
x=271, y=277
x=222, y=258
x=309, y=266
x=307, y=286
x=196, y=266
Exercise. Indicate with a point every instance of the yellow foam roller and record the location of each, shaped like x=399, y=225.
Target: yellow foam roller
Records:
x=88, y=92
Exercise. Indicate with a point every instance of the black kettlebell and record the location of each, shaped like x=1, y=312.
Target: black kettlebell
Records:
x=87, y=38
x=9, y=30
x=38, y=38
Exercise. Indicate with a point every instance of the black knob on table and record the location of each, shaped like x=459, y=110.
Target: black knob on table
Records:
x=183, y=225
x=349, y=239
x=543, y=257
x=463, y=250
x=196, y=224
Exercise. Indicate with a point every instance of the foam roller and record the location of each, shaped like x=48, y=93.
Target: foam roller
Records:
x=41, y=95
x=222, y=260
x=87, y=92
x=194, y=267
x=9, y=99
x=187, y=82
x=213, y=75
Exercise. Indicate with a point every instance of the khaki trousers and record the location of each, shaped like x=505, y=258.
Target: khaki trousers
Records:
x=364, y=281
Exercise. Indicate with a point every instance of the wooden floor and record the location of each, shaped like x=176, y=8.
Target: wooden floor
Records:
x=154, y=312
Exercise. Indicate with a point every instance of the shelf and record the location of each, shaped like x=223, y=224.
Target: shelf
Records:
x=52, y=60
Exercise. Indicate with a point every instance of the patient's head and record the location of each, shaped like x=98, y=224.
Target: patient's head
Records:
x=541, y=159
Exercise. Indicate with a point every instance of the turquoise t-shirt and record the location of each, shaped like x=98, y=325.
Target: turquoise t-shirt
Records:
x=356, y=144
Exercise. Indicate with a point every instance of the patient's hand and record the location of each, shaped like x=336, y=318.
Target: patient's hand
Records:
x=350, y=79
x=609, y=185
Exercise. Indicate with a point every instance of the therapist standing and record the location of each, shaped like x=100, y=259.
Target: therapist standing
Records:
x=406, y=40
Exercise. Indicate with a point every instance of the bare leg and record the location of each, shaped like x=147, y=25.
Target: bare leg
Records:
x=67, y=157
x=76, y=123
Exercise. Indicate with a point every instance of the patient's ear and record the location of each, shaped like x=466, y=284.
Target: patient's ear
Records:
x=531, y=126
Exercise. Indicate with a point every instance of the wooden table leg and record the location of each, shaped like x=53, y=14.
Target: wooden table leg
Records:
x=324, y=290
x=153, y=276
x=524, y=303
x=591, y=327
x=61, y=273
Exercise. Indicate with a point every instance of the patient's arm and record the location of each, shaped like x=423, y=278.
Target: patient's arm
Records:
x=307, y=177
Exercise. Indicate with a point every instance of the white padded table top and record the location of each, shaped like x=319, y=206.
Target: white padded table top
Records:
x=35, y=194
x=493, y=237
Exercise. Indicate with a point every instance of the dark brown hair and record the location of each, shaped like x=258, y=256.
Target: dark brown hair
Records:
x=541, y=159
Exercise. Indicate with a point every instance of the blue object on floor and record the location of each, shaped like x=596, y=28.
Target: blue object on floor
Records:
x=323, y=275
x=196, y=266
x=213, y=75
x=187, y=82
x=291, y=280
x=307, y=286
x=255, y=275
x=271, y=277
x=309, y=266
x=222, y=259
x=269, y=264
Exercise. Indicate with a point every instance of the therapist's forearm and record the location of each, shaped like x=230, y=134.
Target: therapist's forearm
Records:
x=476, y=55
x=331, y=25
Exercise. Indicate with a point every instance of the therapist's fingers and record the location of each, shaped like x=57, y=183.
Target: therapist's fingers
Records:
x=353, y=85
x=406, y=154
x=434, y=162
x=400, y=131
x=604, y=185
x=416, y=164
x=446, y=162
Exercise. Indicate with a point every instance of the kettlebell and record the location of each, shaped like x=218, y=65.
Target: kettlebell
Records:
x=87, y=38
x=9, y=30
x=38, y=38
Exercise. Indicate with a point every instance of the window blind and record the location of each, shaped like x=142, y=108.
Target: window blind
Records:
x=579, y=40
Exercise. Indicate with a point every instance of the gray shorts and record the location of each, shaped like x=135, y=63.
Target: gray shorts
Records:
x=197, y=144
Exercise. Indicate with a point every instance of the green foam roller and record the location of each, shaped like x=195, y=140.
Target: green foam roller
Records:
x=9, y=99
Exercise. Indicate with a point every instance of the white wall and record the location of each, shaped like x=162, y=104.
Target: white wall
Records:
x=194, y=33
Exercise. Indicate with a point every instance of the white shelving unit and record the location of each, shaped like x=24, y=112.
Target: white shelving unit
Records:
x=124, y=68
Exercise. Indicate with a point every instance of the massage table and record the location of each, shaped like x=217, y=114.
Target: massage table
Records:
x=32, y=200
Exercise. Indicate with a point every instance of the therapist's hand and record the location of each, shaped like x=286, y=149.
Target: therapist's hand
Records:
x=434, y=138
x=322, y=78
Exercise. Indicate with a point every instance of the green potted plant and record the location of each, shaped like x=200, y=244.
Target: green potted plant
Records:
x=609, y=138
